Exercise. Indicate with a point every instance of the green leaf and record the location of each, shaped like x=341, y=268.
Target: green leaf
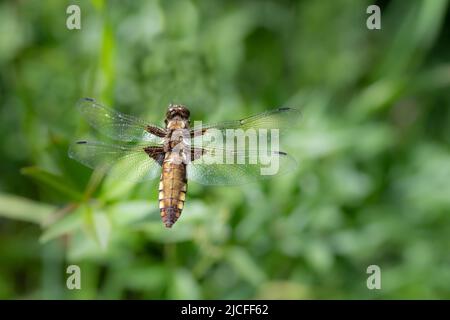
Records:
x=65, y=225
x=147, y=277
x=98, y=225
x=114, y=188
x=130, y=212
x=184, y=286
x=245, y=266
x=181, y=231
x=19, y=208
x=107, y=63
x=82, y=247
x=53, y=181
x=103, y=228
x=98, y=4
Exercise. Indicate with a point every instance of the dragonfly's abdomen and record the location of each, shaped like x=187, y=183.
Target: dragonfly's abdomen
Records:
x=172, y=190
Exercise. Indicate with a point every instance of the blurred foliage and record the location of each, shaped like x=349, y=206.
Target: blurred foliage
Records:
x=373, y=185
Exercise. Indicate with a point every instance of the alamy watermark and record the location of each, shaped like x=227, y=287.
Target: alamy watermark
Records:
x=374, y=280
x=73, y=281
x=73, y=21
x=229, y=146
x=373, y=22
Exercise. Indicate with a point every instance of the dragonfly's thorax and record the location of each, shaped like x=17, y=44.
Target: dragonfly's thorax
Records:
x=176, y=139
x=177, y=125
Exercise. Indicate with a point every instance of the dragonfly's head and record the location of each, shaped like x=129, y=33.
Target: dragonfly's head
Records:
x=177, y=113
x=177, y=110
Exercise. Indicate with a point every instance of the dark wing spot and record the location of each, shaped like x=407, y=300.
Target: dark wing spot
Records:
x=81, y=142
x=89, y=99
x=281, y=153
x=284, y=109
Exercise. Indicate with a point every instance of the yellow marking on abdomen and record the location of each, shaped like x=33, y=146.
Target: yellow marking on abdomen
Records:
x=172, y=190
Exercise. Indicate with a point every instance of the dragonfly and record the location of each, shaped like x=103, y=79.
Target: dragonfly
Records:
x=178, y=152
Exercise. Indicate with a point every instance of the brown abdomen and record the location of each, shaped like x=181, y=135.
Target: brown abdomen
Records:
x=172, y=190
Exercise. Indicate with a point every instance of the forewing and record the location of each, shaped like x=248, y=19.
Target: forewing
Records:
x=125, y=162
x=117, y=125
x=281, y=119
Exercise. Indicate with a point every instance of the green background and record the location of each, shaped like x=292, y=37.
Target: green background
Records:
x=372, y=186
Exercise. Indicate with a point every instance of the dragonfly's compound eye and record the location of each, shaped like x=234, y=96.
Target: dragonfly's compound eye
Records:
x=177, y=110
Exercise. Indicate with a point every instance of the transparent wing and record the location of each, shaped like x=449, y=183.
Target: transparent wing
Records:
x=131, y=163
x=281, y=118
x=216, y=163
x=275, y=123
x=221, y=167
x=117, y=125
